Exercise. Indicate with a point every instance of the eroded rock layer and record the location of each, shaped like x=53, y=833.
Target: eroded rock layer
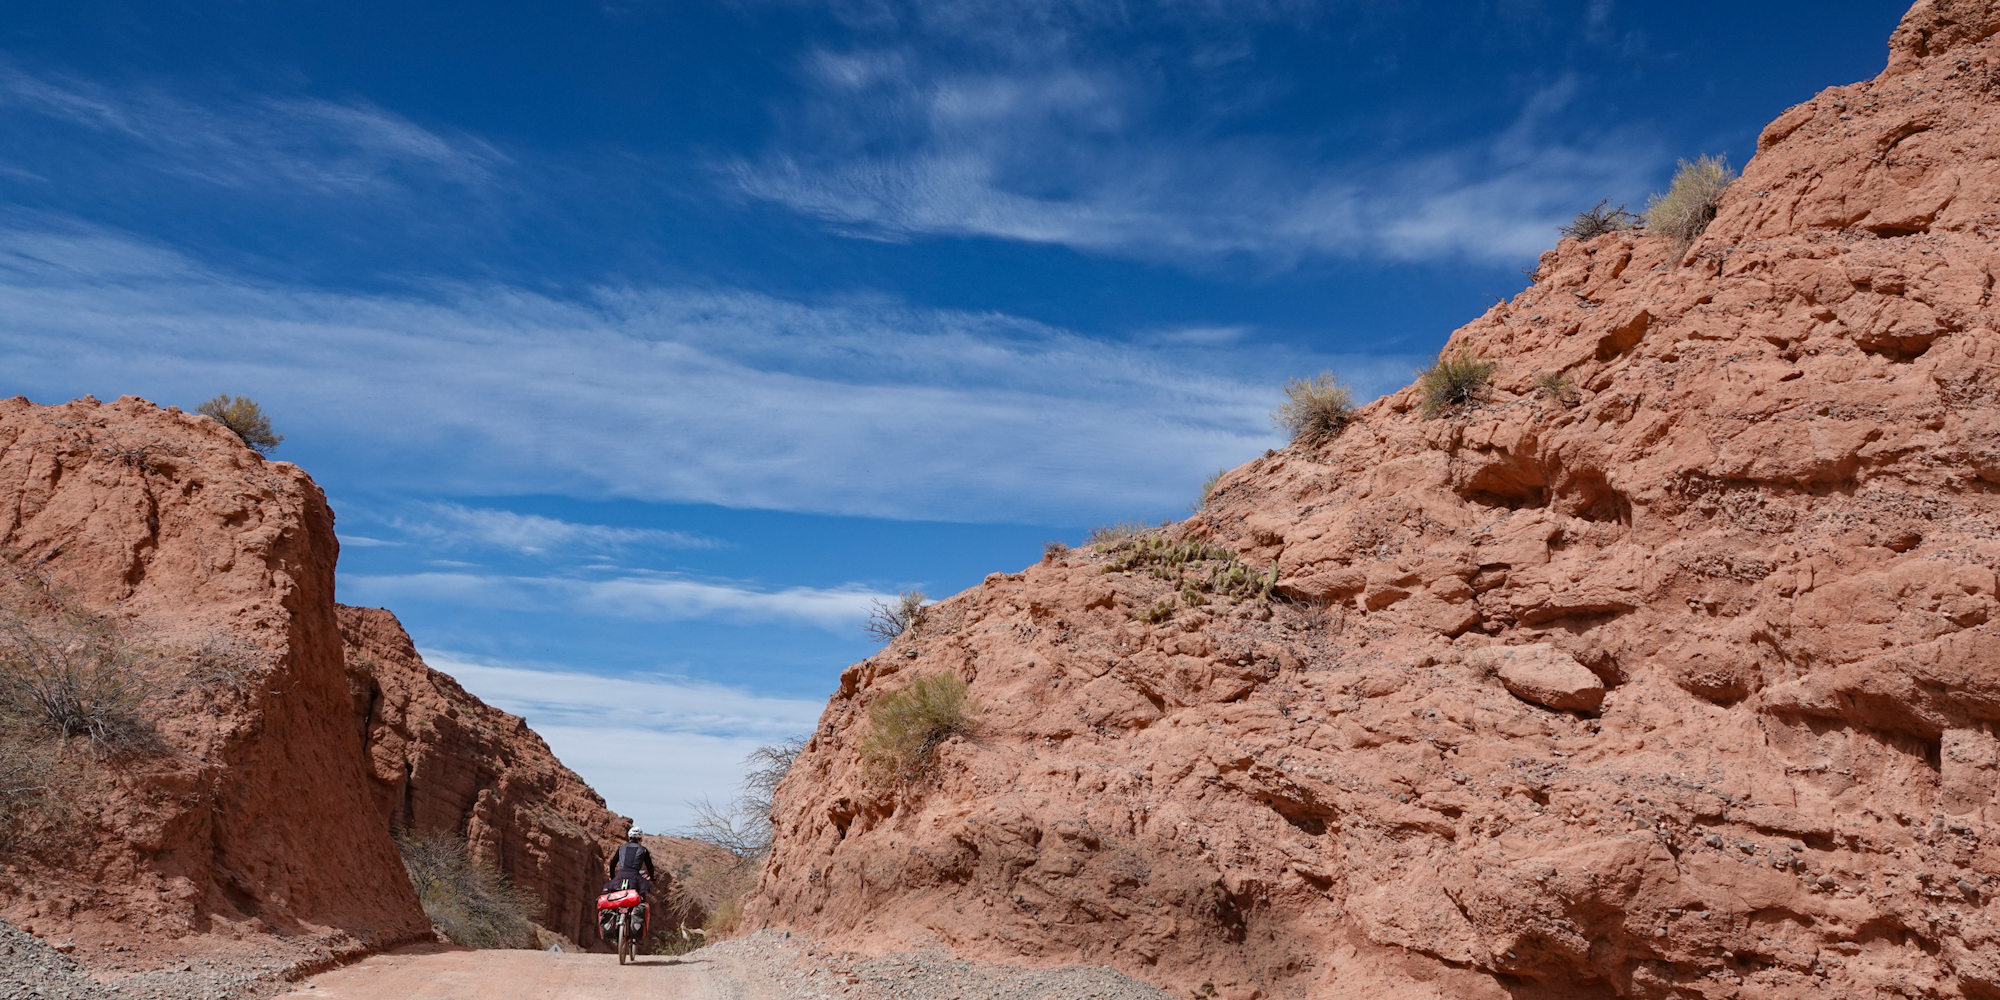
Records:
x=441, y=759
x=1742, y=737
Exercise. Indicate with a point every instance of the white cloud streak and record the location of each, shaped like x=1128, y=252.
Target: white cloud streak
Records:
x=643, y=597
x=457, y=524
x=649, y=744
x=852, y=406
x=1058, y=146
x=295, y=144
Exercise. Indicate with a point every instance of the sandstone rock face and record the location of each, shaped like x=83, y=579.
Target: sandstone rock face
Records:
x=1541, y=673
x=1767, y=522
x=257, y=819
x=441, y=759
x=266, y=816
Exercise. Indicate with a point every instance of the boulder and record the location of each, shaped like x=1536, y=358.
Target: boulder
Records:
x=1543, y=674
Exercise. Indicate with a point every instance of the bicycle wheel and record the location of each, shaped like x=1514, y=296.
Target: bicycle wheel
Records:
x=624, y=941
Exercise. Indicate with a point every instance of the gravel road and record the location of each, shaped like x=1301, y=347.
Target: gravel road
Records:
x=769, y=965
x=765, y=966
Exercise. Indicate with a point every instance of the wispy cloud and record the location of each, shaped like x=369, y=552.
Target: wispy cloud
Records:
x=644, y=597
x=696, y=734
x=364, y=542
x=292, y=143
x=855, y=405
x=1037, y=137
x=457, y=524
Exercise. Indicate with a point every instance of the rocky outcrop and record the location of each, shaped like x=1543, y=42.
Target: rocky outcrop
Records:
x=441, y=759
x=1763, y=513
x=292, y=734
x=254, y=815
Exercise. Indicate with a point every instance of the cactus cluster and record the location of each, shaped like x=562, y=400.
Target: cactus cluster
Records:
x=1197, y=571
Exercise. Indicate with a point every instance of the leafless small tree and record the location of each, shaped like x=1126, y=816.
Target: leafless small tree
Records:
x=889, y=619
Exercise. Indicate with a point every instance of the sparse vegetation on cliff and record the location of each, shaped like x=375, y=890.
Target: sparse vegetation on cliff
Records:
x=906, y=726
x=242, y=415
x=1195, y=569
x=1106, y=535
x=67, y=672
x=1208, y=489
x=1315, y=408
x=1454, y=382
x=465, y=897
x=1556, y=386
x=1690, y=202
x=889, y=619
x=1598, y=221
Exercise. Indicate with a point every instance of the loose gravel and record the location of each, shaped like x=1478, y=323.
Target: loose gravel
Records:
x=31, y=970
x=773, y=964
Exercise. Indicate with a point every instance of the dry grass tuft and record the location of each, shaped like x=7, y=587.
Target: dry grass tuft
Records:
x=464, y=896
x=1315, y=408
x=1455, y=382
x=906, y=726
x=1556, y=386
x=1107, y=535
x=1054, y=551
x=1208, y=489
x=1690, y=202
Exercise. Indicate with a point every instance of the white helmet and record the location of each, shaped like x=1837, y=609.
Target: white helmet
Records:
x=632, y=834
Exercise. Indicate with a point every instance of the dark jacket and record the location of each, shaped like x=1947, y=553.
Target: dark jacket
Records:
x=633, y=859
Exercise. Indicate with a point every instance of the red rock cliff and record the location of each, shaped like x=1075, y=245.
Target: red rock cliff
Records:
x=1686, y=686
x=257, y=818
x=268, y=809
x=441, y=759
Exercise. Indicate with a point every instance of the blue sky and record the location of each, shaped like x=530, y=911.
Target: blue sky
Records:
x=640, y=344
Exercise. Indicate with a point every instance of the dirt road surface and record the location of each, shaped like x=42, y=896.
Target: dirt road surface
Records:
x=769, y=965
x=434, y=973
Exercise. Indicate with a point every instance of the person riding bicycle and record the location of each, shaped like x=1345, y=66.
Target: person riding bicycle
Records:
x=632, y=863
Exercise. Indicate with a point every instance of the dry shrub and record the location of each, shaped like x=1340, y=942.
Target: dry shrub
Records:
x=34, y=787
x=1454, y=382
x=1690, y=202
x=744, y=828
x=1590, y=225
x=221, y=662
x=1208, y=489
x=76, y=689
x=889, y=619
x=69, y=672
x=1315, y=408
x=1557, y=386
x=708, y=893
x=1054, y=551
x=1108, y=535
x=715, y=891
x=726, y=917
x=242, y=415
x=906, y=726
x=466, y=897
